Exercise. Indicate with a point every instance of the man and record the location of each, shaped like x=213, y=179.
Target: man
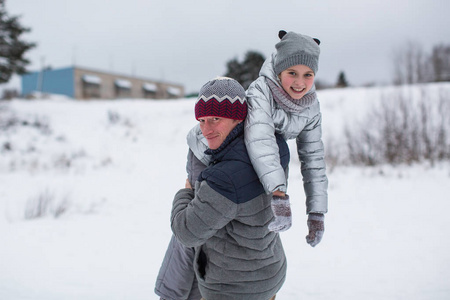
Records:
x=226, y=219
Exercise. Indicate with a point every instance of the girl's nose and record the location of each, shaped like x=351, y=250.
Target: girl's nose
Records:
x=298, y=81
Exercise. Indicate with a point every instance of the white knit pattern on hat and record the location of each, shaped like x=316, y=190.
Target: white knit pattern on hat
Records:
x=220, y=90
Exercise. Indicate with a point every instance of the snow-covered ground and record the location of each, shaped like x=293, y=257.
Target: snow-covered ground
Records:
x=109, y=170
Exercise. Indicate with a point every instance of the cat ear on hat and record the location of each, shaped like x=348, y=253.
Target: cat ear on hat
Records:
x=282, y=33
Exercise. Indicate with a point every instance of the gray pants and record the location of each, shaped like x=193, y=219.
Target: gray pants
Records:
x=176, y=279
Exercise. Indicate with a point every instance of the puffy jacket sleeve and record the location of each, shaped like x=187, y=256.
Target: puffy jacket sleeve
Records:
x=197, y=144
x=311, y=154
x=195, y=219
x=260, y=138
x=194, y=167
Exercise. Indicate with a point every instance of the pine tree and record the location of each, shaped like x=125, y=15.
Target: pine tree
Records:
x=234, y=69
x=247, y=71
x=12, y=48
x=342, y=81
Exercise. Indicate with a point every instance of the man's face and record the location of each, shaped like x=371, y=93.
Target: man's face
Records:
x=216, y=129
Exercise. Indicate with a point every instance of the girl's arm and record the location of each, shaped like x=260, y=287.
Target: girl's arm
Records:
x=260, y=139
x=312, y=158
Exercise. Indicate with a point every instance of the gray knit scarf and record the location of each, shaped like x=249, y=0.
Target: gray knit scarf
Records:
x=288, y=103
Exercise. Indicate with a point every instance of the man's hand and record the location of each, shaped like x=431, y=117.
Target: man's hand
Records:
x=188, y=184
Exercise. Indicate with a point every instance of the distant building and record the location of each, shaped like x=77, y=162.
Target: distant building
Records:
x=82, y=83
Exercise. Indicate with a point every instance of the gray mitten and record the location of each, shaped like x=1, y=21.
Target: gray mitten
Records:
x=316, y=228
x=282, y=212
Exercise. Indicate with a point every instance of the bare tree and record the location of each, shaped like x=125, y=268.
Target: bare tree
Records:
x=410, y=64
x=440, y=61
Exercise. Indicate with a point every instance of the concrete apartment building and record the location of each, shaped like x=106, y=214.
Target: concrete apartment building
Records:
x=83, y=84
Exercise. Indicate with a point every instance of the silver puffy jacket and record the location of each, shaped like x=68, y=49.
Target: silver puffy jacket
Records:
x=265, y=117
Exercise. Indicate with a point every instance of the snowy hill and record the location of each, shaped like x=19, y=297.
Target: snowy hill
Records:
x=104, y=174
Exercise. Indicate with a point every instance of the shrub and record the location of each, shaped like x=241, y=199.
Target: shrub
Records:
x=402, y=129
x=46, y=204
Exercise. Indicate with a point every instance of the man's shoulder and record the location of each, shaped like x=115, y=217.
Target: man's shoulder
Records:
x=236, y=180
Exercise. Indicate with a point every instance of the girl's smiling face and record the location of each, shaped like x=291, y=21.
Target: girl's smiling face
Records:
x=297, y=80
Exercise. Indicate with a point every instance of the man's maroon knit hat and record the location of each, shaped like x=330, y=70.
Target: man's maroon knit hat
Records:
x=221, y=97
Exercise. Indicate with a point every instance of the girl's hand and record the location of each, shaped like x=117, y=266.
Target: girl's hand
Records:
x=279, y=193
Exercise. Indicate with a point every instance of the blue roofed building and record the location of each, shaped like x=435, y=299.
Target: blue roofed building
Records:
x=83, y=83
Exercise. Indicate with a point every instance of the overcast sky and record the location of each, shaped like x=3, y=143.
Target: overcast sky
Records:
x=189, y=42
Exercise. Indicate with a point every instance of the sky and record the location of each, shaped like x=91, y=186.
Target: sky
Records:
x=189, y=42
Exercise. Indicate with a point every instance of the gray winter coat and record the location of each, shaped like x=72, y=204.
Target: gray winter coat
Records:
x=176, y=277
x=236, y=256
x=265, y=117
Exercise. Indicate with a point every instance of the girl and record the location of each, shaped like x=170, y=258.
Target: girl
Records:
x=283, y=100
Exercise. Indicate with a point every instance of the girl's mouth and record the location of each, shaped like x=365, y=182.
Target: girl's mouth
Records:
x=297, y=90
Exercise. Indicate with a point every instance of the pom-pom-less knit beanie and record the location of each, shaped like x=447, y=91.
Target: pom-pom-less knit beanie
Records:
x=296, y=49
x=221, y=97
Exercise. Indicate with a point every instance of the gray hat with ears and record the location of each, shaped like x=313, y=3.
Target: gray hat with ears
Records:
x=296, y=49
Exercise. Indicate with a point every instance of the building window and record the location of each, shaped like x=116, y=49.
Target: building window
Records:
x=174, y=92
x=150, y=90
x=90, y=86
x=122, y=88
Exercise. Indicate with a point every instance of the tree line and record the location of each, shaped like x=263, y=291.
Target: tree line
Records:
x=412, y=64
